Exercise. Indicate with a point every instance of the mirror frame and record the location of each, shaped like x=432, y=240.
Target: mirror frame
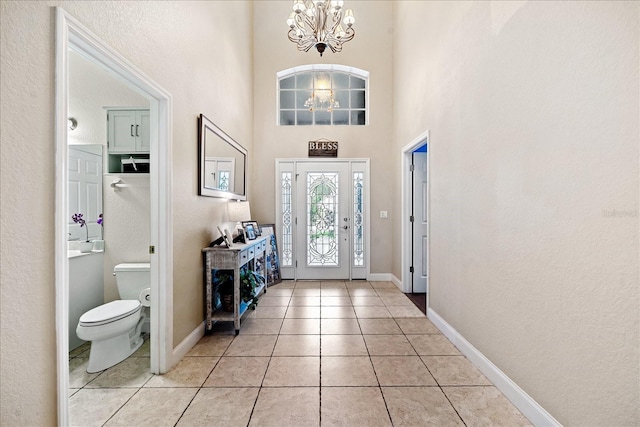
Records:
x=205, y=124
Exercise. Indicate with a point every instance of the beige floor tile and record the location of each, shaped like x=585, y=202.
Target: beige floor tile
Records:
x=362, y=292
x=285, y=284
x=402, y=371
x=454, y=370
x=189, y=372
x=433, y=345
x=290, y=406
x=252, y=345
x=78, y=351
x=238, y=372
x=337, y=312
x=339, y=327
x=78, y=375
x=306, y=292
x=308, y=285
x=412, y=326
x=343, y=345
x=393, y=299
x=304, y=312
x=300, y=327
x=398, y=311
x=383, y=285
x=419, y=406
x=389, y=345
x=353, y=406
x=484, y=406
x=347, y=371
x=335, y=301
x=131, y=372
x=297, y=345
x=379, y=327
x=293, y=372
x=365, y=312
x=371, y=301
x=388, y=292
x=358, y=284
x=154, y=407
x=279, y=292
x=333, y=284
x=256, y=326
x=334, y=292
x=269, y=312
x=211, y=345
x=269, y=301
x=93, y=407
x=304, y=301
x=220, y=407
x=144, y=350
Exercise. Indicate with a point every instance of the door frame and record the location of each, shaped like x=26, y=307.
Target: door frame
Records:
x=407, y=196
x=71, y=34
x=367, y=208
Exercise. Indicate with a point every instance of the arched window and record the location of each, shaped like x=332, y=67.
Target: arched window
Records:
x=323, y=95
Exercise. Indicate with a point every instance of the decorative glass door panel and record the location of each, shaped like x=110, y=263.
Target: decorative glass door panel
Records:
x=323, y=205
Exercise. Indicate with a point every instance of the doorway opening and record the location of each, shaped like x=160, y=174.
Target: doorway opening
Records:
x=72, y=35
x=415, y=219
x=323, y=207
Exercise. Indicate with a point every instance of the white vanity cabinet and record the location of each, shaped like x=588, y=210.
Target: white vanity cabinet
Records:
x=128, y=131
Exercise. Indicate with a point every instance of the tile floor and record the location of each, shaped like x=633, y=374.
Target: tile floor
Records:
x=313, y=353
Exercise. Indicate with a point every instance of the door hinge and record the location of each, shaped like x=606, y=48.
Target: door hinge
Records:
x=411, y=269
x=152, y=249
x=411, y=218
x=296, y=264
x=411, y=168
x=295, y=220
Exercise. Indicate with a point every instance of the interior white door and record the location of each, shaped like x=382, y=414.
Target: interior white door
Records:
x=85, y=192
x=323, y=220
x=420, y=229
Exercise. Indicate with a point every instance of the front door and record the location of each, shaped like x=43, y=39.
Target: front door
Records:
x=323, y=208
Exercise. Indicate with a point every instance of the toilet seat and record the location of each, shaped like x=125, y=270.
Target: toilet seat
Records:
x=110, y=312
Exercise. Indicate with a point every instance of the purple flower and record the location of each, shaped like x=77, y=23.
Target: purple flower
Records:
x=77, y=218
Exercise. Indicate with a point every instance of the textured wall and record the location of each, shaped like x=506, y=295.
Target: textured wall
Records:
x=186, y=48
x=370, y=50
x=533, y=109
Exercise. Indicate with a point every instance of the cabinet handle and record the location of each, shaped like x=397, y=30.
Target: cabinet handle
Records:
x=137, y=126
x=131, y=130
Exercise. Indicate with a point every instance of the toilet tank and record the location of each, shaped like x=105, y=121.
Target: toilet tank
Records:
x=132, y=278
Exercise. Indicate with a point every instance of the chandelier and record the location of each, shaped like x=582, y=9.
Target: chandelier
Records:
x=319, y=23
x=321, y=100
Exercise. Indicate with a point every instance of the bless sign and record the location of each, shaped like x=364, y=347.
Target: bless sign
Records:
x=323, y=148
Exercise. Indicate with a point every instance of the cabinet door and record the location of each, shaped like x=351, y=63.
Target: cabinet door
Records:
x=142, y=131
x=121, y=131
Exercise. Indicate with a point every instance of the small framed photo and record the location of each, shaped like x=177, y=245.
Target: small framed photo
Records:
x=251, y=233
x=254, y=224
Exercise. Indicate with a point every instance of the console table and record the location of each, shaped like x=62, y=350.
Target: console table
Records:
x=250, y=254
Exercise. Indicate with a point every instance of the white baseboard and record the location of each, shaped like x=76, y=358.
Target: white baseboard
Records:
x=379, y=277
x=183, y=348
x=397, y=282
x=520, y=399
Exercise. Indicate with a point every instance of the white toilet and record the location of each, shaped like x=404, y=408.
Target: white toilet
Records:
x=114, y=328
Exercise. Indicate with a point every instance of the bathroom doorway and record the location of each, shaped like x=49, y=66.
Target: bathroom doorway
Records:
x=71, y=35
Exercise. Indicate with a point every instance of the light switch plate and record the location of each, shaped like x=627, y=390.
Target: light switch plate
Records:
x=384, y=214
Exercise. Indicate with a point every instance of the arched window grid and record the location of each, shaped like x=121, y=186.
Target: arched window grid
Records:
x=349, y=86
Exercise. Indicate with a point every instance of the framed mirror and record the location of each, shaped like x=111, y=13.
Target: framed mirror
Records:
x=222, y=163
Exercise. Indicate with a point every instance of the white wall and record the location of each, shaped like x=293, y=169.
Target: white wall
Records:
x=533, y=109
x=370, y=50
x=186, y=48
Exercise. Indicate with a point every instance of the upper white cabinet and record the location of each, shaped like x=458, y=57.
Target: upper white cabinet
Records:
x=128, y=131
